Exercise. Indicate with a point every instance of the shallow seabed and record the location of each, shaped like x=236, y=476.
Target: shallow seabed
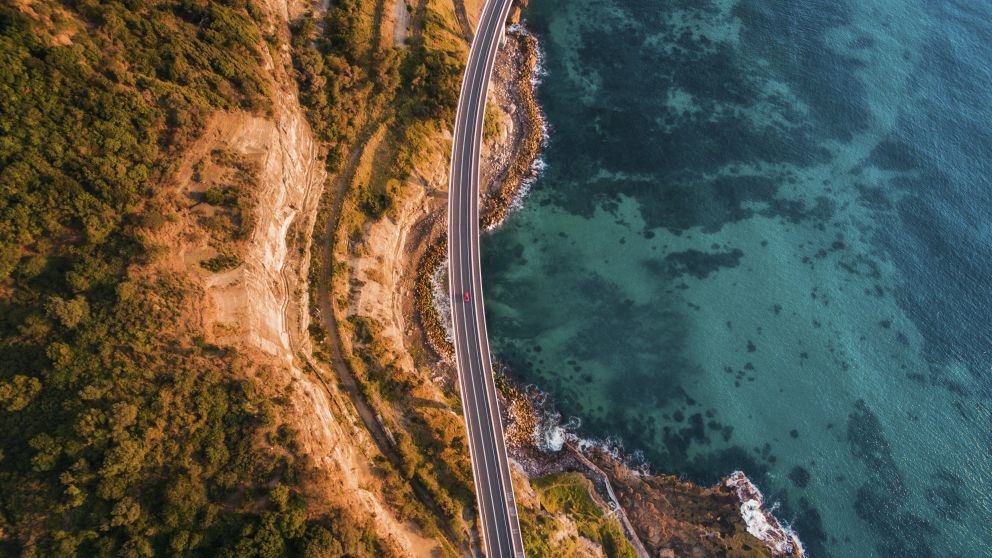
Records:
x=762, y=241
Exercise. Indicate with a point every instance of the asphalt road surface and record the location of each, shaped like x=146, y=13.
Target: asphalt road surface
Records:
x=493, y=488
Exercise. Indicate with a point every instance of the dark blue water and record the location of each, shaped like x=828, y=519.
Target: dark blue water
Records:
x=763, y=242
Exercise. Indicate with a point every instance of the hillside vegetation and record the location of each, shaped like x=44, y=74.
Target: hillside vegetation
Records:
x=382, y=110
x=125, y=431
x=567, y=494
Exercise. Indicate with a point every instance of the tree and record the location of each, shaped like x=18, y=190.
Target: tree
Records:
x=321, y=544
x=69, y=313
x=9, y=256
x=17, y=393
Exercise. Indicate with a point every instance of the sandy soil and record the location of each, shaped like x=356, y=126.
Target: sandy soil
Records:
x=472, y=10
x=262, y=305
x=401, y=23
x=394, y=26
x=382, y=271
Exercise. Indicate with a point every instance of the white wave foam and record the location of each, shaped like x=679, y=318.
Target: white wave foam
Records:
x=760, y=520
x=551, y=434
x=540, y=70
x=442, y=300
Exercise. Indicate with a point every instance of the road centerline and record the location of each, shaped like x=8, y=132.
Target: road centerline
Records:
x=490, y=467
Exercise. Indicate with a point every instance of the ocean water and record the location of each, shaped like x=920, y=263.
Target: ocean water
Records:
x=763, y=241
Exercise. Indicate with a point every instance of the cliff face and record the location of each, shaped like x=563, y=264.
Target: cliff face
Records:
x=257, y=302
x=262, y=304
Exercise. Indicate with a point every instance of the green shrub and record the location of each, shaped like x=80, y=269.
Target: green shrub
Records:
x=222, y=262
x=373, y=204
x=123, y=434
x=431, y=80
x=226, y=196
x=568, y=493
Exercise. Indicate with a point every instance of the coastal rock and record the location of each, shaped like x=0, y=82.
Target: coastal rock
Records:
x=666, y=515
x=760, y=521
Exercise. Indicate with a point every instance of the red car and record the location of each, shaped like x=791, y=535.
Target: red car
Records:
x=466, y=296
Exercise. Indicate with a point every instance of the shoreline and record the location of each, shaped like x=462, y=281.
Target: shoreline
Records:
x=572, y=450
x=537, y=442
x=540, y=445
x=509, y=165
x=517, y=92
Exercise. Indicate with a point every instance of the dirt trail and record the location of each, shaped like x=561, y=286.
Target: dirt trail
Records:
x=401, y=23
x=339, y=187
x=467, y=26
x=369, y=140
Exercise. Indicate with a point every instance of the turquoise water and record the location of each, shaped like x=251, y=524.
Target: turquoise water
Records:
x=762, y=242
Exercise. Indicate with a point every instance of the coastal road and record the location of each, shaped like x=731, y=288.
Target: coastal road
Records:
x=490, y=469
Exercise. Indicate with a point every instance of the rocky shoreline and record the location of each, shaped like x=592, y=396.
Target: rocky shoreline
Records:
x=760, y=521
x=427, y=305
x=662, y=515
